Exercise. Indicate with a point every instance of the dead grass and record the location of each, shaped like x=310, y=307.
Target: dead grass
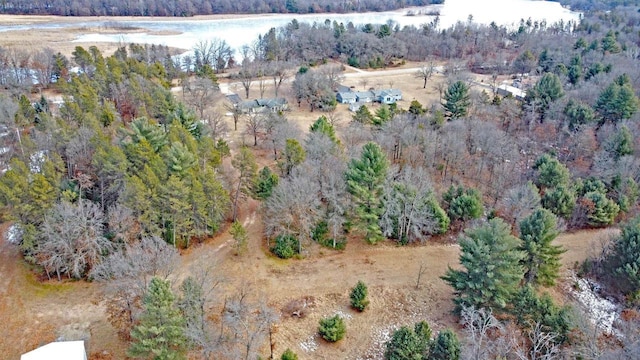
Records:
x=34, y=312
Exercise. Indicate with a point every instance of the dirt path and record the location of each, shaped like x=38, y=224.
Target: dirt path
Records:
x=324, y=280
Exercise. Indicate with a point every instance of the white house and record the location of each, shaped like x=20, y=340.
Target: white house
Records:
x=59, y=350
x=507, y=90
x=263, y=105
x=388, y=96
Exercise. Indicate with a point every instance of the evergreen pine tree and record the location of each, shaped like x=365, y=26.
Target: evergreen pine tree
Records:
x=457, y=100
x=492, y=270
x=239, y=234
x=547, y=90
x=358, y=296
x=403, y=346
x=618, y=101
x=160, y=331
x=363, y=115
x=364, y=181
x=446, y=346
x=292, y=156
x=625, y=258
x=542, y=259
x=322, y=126
x=267, y=180
x=289, y=355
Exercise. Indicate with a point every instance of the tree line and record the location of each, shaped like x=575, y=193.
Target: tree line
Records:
x=184, y=8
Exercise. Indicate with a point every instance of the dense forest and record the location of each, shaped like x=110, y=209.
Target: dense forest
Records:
x=200, y=7
x=108, y=184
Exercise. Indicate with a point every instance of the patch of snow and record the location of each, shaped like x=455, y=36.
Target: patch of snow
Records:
x=343, y=315
x=602, y=312
x=13, y=234
x=309, y=344
x=36, y=160
x=379, y=343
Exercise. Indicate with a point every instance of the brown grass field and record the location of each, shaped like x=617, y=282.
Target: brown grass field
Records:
x=35, y=312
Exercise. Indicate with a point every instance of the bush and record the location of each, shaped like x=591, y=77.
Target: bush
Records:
x=320, y=234
x=406, y=343
x=332, y=329
x=289, y=355
x=359, y=296
x=446, y=346
x=286, y=246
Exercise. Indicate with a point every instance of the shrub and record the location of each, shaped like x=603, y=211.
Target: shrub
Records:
x=358, y=296
x=332, y=329
x=286, y=246
x=406, y=343
x=320, y=234
x=289, y=355
x=445, y=347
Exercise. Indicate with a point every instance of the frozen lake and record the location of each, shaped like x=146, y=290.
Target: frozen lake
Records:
x=185, y=33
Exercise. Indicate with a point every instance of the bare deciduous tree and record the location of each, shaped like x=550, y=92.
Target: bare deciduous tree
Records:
x=425, y=72
x=248, y=323
x=200, y=93
x=214, y=52
x=407, y=213
x=127, y=273
x=277, y=130
x=293, y=207
x=255, y=123
x=478, y=325
x=520, y=201
x=247, y=75
x=122, y=223
x=216, y=126
x=280, y=72
x=333, y=74
x=72, y=239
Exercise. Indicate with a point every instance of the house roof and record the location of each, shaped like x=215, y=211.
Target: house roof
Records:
x=234, y=98
x=518, y=93
x=247, y=104
x=347, y=95
x=364, y=94
x=59, y=350
x=392, y=92
x=342, y=89
x=272, y=102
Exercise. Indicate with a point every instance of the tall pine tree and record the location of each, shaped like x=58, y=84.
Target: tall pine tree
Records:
x=492, y=270
x=160, y=333
x=542, y=259
x=457, y=100
x=365, y=177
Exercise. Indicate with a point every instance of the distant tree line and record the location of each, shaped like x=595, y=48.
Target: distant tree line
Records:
x=199, y=7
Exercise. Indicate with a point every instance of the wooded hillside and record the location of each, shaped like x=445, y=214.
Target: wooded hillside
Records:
x=142, y=157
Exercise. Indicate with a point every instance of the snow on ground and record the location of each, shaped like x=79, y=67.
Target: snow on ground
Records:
x=602, y=312
x=342, y=315
x=379, y=343
x=13, y=234
x=36, y=160
x=309, y=344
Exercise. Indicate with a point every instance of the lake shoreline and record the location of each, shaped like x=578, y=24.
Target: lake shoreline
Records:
x=18, y=20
